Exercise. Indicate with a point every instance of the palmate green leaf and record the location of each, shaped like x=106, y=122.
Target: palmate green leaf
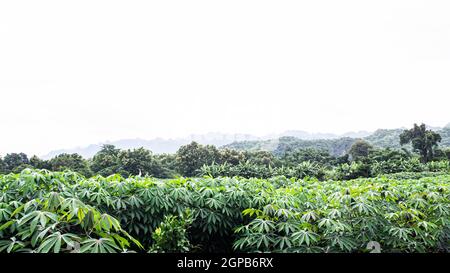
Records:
x=123, y=242
x=242, y=229
x=213, y=203
x=72, y=205
x=286, y=227
x=263, y=240
x=283, y=242
x=418, y=203
x=426, y=225
x=327, y=222
x=24, y=234
x=135, y=201
x=7, y=224
x=363, y=207
x=241, y=243
x=99, y=196
x=309, y=216
x=17, y=210
x=251, y=212
x=442, y=209
x=88, y=221
x=304, y=237
x=334, y=213
x=5, y=214
x=107, y=223
x=401, y=233
x=120, y=204
x=81, y=213
x=132, y=239
x=53, y=201
x=261, y=225
x=41, y=217
x=283, y=213
x=11, y=245
x=54, y=241
x=40, y=235
x=344, y=243
x=32, y=204
x=102, y=245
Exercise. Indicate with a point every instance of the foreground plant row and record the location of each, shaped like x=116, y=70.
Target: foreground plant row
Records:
x=42, y=211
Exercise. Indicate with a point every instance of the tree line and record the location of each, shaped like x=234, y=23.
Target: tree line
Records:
x=361, y=160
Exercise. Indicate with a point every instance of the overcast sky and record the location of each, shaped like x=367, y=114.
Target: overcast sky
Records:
x=74, y=73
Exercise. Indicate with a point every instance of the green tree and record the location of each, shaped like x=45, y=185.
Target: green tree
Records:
x=2, y=166
x=38, y=163
x=15, y=162
x=447, y=153
x=191, y=157
x=231, y=156
x=106, y=162
x=293, y=158
x=74, y=162
x=360, y=149
x=441, y=154
x=168, y=163
x=261, y=158
x=423, y=141
x=139, y=161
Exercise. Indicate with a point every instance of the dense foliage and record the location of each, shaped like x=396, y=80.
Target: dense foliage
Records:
x=423, y=141
x=382, y=138
x=338, y=159
x=282, y=145
x=402, y=216
x=42, y=211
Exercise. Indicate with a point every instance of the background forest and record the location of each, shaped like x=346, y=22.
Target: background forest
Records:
x=383, y=152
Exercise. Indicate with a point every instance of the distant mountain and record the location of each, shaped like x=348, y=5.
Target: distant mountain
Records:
x=382, y=138
x=157, y=145
x=308, y=136
x=336, y=146
x=85, y=152
x=313, y=136
x=390, y=138
x=359, y=134
x=445, y=135
x=277, y=143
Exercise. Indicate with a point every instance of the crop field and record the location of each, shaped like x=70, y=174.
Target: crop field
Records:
x=43, y=211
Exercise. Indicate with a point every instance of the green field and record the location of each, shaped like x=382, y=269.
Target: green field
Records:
x=43, y=211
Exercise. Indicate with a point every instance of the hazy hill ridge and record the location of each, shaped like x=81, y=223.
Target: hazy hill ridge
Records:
x=382, y=138
x=277, y=143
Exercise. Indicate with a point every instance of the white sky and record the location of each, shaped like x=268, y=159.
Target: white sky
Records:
x=74, y=73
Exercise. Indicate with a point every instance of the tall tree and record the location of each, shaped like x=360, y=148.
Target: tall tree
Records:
x=293, y=158
x=139, y=161
x=2, y=166
x=168, y=163
x=74, y=162
x=191, y=157
x=422, y=140
x=230, y=156
x=360, y=149
x=106, y=161
x=261, y=158
x=15, y=162
x=38, y=163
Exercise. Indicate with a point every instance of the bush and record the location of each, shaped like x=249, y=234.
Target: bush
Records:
x=42, y=211
x=171, y=236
